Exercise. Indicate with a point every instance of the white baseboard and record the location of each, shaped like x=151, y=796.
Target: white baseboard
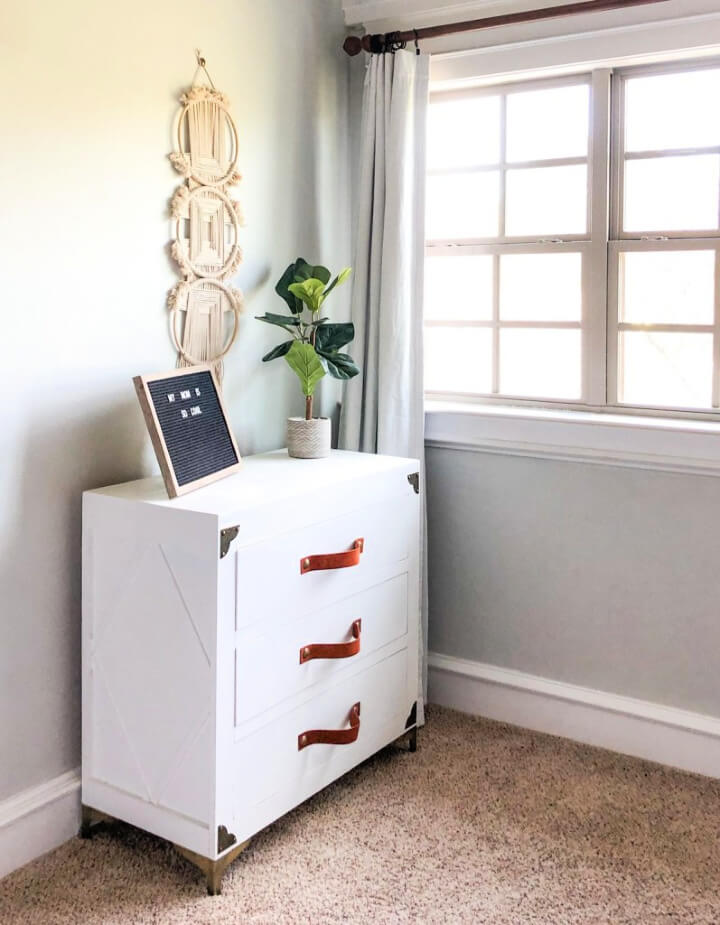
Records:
x=38, y=820
x=679, y=738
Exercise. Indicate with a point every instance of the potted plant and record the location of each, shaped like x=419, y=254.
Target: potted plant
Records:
x=313, y=349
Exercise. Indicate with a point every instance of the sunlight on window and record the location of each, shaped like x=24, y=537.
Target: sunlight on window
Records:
x=672, y=193
x=665, y=369
x=464, y=132
x=672, y=111
x=667, y=287
x=458, y=360
x=541, y=287
x=459, y=288
x=463, y=205
x=548, y=123
x=546, y=201
x=525, y=297
x=540, y=363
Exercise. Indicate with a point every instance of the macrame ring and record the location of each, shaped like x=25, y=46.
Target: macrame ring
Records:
x=205, y=181
x=229, y=208
x=175, y=311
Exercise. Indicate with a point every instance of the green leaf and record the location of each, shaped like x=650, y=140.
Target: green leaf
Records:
x=303, y=271
x=310, y=291
x=281, y=287
x=295, y=273
x=340, y=278
x=285, y=321
x=339, y=365
x=304, y=362
x=278, y=351
x=333, y=336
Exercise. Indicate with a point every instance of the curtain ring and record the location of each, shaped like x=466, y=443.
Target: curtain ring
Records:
x=417, y=47
x=393, y=43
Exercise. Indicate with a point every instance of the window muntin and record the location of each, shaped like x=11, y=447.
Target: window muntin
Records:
x=622, y=315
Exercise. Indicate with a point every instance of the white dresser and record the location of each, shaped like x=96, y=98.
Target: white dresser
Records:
x=246, y=644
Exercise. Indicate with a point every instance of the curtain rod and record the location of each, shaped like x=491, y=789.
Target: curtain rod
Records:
x=391, y=41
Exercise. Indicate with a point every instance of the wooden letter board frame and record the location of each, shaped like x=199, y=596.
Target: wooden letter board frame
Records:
x=174, y=489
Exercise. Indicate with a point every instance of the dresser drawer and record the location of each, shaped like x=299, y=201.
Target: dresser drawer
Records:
x=272, y=768
x=271, y=584
x=276, y=662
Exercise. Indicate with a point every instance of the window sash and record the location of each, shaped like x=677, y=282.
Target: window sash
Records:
x=619, y=156
x=502, y=166
x=497, y=250
x=615, y=326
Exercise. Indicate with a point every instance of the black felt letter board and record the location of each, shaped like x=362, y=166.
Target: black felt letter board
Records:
x=193, y=425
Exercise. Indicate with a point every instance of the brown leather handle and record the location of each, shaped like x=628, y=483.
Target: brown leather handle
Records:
x=333, y=736
x=333, y=650
x=333, y=559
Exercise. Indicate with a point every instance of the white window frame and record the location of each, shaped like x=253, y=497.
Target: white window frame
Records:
x=601, y=248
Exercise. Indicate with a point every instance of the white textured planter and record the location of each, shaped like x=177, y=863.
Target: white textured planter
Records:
x=308, y=439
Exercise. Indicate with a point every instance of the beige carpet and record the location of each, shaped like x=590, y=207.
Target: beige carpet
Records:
x=485, y=823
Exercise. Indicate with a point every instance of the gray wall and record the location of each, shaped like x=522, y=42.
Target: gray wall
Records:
x=601, y=576
x=90, y=91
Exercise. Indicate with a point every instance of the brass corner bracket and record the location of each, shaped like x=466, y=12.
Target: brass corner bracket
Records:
x=414, y=479
x=227, y=535
x=225, y=839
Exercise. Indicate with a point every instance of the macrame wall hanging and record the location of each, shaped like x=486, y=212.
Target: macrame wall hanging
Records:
x=205, y=307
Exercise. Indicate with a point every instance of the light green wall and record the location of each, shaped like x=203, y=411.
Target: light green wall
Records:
x=90, y=90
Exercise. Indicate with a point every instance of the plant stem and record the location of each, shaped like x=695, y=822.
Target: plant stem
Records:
x=309, y=398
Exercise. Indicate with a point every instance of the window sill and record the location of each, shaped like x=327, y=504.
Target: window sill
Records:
x=671, y=444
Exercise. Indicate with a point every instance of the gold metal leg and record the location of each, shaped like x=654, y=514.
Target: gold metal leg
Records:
x=213, y=870
x=412, y=740
x=90, y=819
x=407, y=742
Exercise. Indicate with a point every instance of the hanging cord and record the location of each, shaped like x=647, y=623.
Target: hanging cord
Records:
x=201, y=66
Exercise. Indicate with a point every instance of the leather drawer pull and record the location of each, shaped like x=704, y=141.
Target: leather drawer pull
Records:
x=333, y=650
x=333, y=559
x=333, y=736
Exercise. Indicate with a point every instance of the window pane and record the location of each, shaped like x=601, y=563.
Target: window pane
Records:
x=672, y=111
x=458, y=359
x=548, y=123
x=463, y=205
x=672, y=193
x=540, y=363
x=464, y=133
x=459, y=288
x=667, y=369
x=667, y=287
x=546, y=201
x=541, y=287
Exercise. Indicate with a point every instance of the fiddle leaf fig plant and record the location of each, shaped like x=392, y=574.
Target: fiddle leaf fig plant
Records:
x=314, y=348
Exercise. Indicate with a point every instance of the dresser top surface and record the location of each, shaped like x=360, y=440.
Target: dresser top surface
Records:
x=263, y=477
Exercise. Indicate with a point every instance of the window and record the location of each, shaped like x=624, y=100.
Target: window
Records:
x=573, y=240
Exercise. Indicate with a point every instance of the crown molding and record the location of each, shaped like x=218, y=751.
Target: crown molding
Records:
x=617, y=46
x=429, y=12
x=366, y=11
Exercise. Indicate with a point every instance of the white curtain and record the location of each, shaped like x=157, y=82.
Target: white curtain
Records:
x=382, y=411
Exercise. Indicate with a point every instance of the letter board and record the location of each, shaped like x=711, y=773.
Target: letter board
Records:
x=188, y=426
